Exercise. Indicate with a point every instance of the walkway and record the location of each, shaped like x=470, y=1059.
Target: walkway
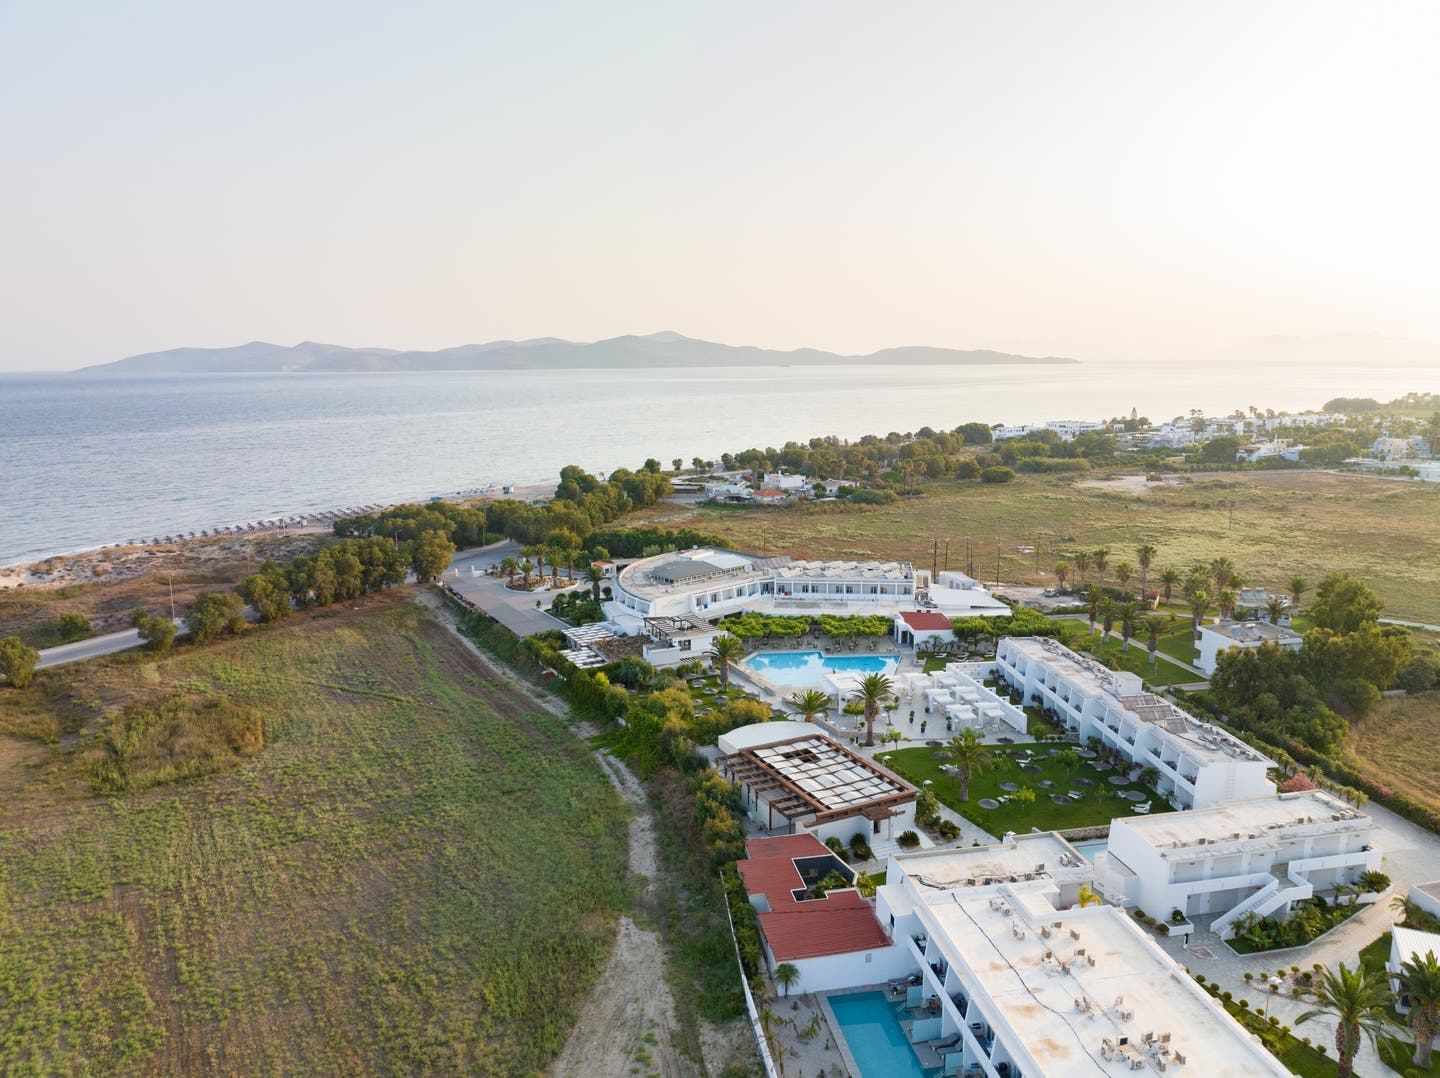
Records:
x=516, y=610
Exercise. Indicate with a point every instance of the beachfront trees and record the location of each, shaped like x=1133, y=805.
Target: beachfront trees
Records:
x=1168, y=579
x=1419, y=987
x=17, y=661
x=267, y=592
x=1357, y=999
x=969, y=755
x=810, y=703
x=1145, y=555
x=1062, y=571
x=158, y=633
x=430, y=555
x=727, y=649
x=214, y=613
x=872, y=693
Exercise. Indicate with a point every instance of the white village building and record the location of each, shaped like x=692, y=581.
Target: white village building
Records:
x=1198, y=763
x=1212, y=638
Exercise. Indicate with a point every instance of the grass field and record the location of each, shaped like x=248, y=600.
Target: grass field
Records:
x=1272, y=525
x=414, y=875
x=1100, y=804
x=1397, y=743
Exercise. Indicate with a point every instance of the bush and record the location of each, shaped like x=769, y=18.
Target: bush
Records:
x=997, y=474
x=948, y=829
x=838, y=848
x=908, y=840
x=1374, y=881
x=860, y=848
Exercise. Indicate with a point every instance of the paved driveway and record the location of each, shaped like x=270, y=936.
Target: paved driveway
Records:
x=516, y=610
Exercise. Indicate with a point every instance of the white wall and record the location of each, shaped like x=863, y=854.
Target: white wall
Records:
x=848, y=970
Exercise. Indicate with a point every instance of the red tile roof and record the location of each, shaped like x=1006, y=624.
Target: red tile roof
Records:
x=770, y=492
x=925, y=619
x=840, y=923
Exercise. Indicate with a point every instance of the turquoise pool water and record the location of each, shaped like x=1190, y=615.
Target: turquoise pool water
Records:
x=875, y=1038
x=1090, y=850
x=808, y=667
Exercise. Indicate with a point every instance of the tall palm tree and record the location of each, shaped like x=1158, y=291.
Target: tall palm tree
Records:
x=1062, y=571
x=1225, y=600
x=969, y=755
x=1198, y=599
x=594, y=574
x=1092, y=604
x=1128, y=613
x=1274, y=608
x=1108, y=610
x=810, y=703
x=1124, y=572
x=1168, y=579
x=1419, y=986
x=526, y=568
x=1298, y=587
x=1153, y=626
x=872, y=692
x=1357, y=998
x=1082, y=565
x=1222, y=573
x=509, y=566
x=1145, y=555
x=727, y=649
x=1100, y=557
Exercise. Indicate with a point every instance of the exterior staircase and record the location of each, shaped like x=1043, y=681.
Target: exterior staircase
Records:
x=1283, y=889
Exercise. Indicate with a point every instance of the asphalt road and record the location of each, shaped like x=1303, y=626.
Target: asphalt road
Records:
x=93, y=648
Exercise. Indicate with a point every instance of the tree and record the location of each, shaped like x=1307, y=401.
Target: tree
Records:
x=872, y=693
x=786, y=976
x=509, y=566
x=1128, y=614
x=526, y=568
x=1274, y=609
x=1225, y=602
x=1100, y=558
x=727, y=649
x=1343, y=603
x=215, y=613
x=997, y=474
x=73, y=626
x=810, y=703
x=1124, y=572
x=1220, y=450
x=969, y=755
x=1082, y=566
x=1198, y=600
x=1357, y=999
x=1092, y=605
x=1108, y=610
x=1145, y=555
x=1168, y=579
x=1298, y=587
x=1153, y=626
x=1062, y=571
x=594, y=576
x=430, y=555
x=892, y=736
x=158, y=633
x=1069, y=759
x=267, y=593
x=17, y=661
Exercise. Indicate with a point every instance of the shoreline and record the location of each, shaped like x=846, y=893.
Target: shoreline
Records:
x=130, y=558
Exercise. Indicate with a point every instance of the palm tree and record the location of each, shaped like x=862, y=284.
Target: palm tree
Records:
x=1419, y=986
x=1092, y=604
x=594, y=574
x=786, y=976
x=810, y=703
x=1101, y=558
x=872, y=693
x=1274, y=608
x=726, y=650
x=1168, y=579
x=968, y=756
x=1127, y=625
x=526, y=568
x=1108, y=609
x=1225, y=600
x=1123, y=573
x=1153, y=626
x=1145, y=556
x=1198, y=599
x=1082, y=563
x=1062, y=570
x=1222, y=572
x=1357, y=998
x=510, y=567
x=1298, y=587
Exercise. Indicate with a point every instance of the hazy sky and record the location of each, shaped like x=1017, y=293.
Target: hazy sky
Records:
x=1089, y=178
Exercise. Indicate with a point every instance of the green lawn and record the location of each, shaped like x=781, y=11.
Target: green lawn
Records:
x=1137, y=661
x=416, y=874
x=1099, y=805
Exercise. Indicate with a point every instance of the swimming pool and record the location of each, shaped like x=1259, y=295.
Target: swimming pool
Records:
x=873, y=1033
x=808, y=667
x=1090, y=850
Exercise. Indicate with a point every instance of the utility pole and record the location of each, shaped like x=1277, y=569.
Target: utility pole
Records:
x=170, y=579
x=934, y=557
x=997, y=561
x=946, y=563
x=969, y=560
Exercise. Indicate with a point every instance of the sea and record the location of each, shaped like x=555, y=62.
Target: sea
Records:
x=86, y=462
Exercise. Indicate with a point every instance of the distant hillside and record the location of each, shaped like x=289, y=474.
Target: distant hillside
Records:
x=544, y=353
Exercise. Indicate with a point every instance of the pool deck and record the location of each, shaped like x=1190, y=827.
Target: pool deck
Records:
x=928, y=1058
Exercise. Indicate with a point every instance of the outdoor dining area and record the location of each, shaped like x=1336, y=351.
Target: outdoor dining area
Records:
x=961, y=700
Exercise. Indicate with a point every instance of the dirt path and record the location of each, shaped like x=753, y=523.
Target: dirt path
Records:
x=629, y=1020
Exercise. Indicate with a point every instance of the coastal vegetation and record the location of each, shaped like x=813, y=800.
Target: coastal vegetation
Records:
x=338, y=830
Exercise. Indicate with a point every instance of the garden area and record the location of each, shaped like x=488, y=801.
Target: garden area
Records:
x=1306, y=922
x=1028, y=785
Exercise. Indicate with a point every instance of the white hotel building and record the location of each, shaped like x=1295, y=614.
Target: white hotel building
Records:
x=1258, y=856
x=713, y=583
x=1018, y=981
x=1199, y=764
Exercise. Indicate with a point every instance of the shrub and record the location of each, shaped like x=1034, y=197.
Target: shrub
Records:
x=997, y=474
x=948, y=829
x=860, y=848
x=1374, y=881
x=838, y=848
x=908, y=840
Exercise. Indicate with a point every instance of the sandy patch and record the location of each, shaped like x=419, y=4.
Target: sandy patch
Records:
x=1133, y=484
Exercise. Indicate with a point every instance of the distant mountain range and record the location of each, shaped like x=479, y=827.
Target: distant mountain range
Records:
x=542, y=353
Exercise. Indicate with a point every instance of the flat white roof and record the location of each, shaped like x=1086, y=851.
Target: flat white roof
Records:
x=1253, y=632
x=1411, y=943
x=762, y=733
x=1249, y=818
x=1038, y=856
x=1037, y=998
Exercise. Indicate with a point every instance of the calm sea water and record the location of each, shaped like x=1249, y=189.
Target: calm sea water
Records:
x=85, y=462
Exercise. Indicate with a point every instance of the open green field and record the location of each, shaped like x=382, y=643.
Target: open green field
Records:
x=1137, y=659
x=1396, y=742
x=413, y=875
x=1272, y=525
x=1100, y=804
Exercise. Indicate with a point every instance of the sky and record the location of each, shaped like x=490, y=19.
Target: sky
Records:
x=1101, y=179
